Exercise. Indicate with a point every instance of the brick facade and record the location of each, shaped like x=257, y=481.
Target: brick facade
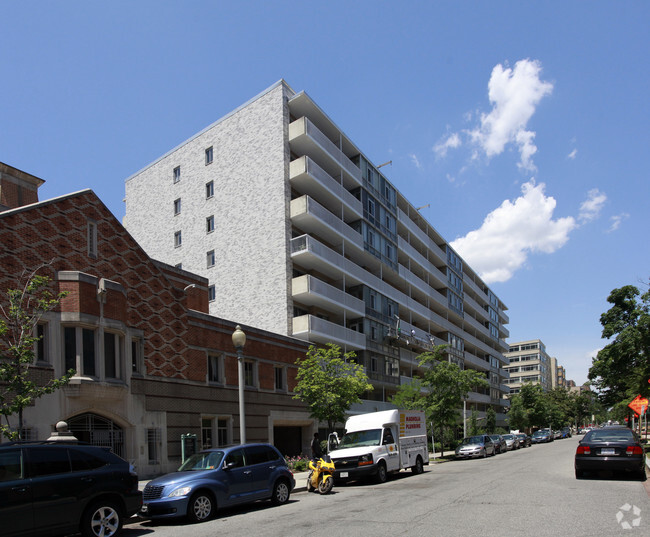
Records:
x=159, y=316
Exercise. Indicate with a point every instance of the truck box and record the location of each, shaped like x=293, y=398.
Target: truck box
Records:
x=379, y=443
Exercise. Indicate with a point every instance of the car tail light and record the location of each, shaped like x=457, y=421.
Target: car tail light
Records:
x=583, y=450
x=634, y=450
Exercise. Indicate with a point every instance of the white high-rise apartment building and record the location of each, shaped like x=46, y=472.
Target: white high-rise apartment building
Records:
x=300, y=234
x=529, y=362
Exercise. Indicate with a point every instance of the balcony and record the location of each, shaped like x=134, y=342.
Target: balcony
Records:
x=312, y=328
x=414, y=229
x=417, y=257
x=422, y=286
x=309, y=178
x=312, y=217
x=306, y=139
x=311, y=291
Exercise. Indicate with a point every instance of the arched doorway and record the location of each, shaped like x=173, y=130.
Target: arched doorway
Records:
x=98, y=431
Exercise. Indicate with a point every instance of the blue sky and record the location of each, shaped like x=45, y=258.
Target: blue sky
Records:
x=523, y=125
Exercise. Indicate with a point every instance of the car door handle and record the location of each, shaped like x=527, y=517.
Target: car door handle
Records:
x=20, y=490
x=272, y=467
x=88, y=479
x=247, y=472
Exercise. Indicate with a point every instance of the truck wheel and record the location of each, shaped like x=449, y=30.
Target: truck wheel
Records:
x=419, y=467
x=382, y=474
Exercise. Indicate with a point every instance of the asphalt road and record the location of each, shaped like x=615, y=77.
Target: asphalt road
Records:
x=529, y=492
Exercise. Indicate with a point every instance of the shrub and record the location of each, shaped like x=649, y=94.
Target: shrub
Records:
x=297, y=464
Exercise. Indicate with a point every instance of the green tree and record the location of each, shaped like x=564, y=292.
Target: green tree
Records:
x=517, y=417
x=19, y=315
x=621, y=369
x=535, y=405
x=490, y=419
x=443, y=387
x=330, y=383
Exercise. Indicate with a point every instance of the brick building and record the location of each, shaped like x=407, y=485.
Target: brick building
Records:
x=151, y=363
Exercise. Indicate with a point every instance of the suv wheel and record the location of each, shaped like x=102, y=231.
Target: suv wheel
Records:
x=281, y=492
x=101, y=519
x=382, y=474
x=201, y=507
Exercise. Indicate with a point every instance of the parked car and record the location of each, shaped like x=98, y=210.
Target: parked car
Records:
x=499, y=443
x=610, y=448
x=220, y=477
x=49, y=488
x=524, y=440
x=475, y=446
x=566, y=432
x=541, y=436
x=557, y=435
x=512, y=442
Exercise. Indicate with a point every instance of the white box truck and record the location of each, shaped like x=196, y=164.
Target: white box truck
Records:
x=380, y=443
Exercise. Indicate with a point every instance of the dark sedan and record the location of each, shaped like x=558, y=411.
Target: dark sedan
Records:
x=524, y=439
x=611, y=448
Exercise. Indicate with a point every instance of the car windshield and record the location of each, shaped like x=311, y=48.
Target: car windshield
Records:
x=370, y=437
x=207, y=460
x=508, y=436
x=473, y=440
x=539, y=433
x=610, y=435
x=495, y=437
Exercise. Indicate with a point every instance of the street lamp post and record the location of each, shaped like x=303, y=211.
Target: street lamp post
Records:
x=239, y=340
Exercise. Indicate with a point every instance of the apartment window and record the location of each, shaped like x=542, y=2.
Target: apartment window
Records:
x=222, y=432
x=209, y=224
x=208, y=156
x=111, y=355
x=79, y=350
x=92, y=239
x=280, y=383
x=209, y=189
x=212, y=293
x=206, y=432
x=177, y=174
x=41, y=347
x=153, y=441
x=177, y=206
x=249, y=374
x=178, y=239
x=214, y=368
x=136, y=355
x=210, y=259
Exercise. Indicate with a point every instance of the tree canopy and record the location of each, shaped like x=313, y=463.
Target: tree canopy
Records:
x=330, y=383
x=19, y=316
x=621, y=369
x=441, y=389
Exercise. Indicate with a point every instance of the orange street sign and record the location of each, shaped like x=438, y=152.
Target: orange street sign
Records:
x=638, y=404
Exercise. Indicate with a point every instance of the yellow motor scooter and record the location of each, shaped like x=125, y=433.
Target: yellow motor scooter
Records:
x=321, y=475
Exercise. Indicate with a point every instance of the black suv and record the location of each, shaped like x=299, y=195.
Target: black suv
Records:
x=49, y=488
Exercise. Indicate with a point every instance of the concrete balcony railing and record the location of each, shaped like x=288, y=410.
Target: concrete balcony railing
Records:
x=414, y=229
x=311, y=179
x=422, y=286
x=312, y=217
x=311, y=291
x=312, y=328
x=417, y=257
x=304, y=135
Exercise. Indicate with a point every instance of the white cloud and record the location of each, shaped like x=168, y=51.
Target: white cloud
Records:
x=573, y=154
x=513, y=231
x=415, y=161
x=591, y=207
x=616, y=221
x=514, y=94
x=453, y=141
